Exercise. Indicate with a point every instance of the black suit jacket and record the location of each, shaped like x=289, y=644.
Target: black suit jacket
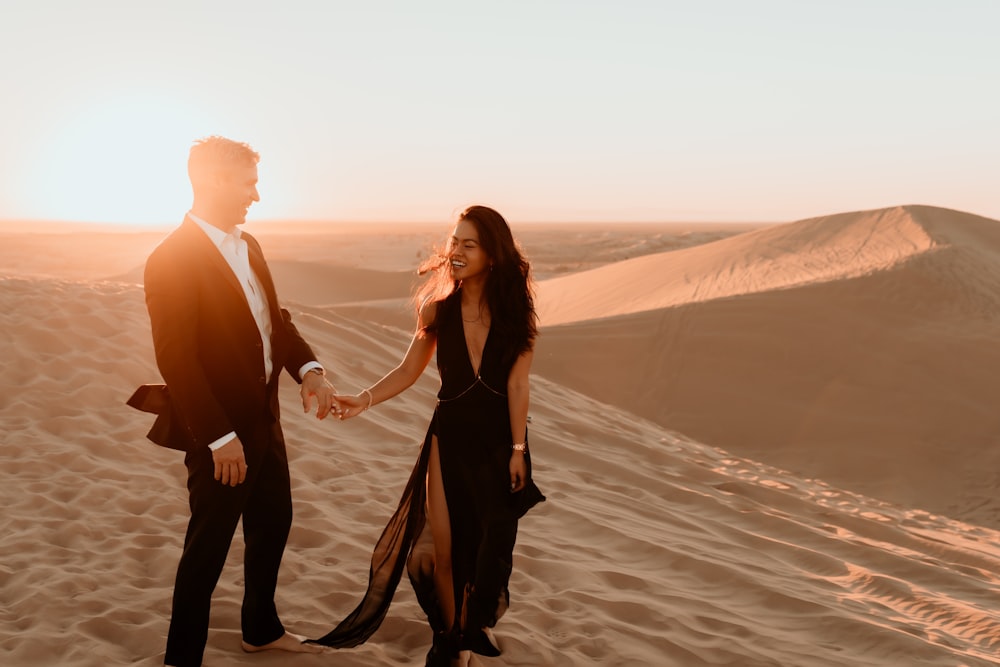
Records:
x=207, y=345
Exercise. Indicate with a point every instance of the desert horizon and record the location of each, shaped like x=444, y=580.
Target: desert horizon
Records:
x=763, y=444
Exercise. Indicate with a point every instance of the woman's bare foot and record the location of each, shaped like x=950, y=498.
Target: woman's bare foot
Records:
x=286, y=642
x=464, y=659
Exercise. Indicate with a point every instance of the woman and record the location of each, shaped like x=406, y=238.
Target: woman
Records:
x=456, y=523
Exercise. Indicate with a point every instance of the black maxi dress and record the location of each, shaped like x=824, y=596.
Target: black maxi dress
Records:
x=472, y=424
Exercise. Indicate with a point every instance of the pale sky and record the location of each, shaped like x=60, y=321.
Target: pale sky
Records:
x=715, y=110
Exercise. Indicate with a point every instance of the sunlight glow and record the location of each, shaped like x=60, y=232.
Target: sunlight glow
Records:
x=119, y=159
x=646, y=111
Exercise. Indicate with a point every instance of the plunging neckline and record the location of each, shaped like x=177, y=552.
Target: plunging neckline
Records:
x=468, y=348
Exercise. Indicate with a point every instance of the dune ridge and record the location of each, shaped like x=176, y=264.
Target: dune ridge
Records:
x=827, y=248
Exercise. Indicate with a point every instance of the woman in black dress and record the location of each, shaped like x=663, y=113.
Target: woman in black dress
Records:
x=456, y=524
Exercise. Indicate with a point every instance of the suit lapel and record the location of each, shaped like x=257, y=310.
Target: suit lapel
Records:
x=259, y=267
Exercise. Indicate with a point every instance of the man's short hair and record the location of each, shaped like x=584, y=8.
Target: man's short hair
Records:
x=211, y=155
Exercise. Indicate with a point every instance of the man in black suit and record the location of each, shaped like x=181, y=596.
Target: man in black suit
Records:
x=221, y=340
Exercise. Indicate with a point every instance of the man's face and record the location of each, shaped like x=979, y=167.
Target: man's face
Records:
x=235, y=191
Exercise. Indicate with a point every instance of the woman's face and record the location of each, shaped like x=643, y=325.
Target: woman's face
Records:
x=468, y=260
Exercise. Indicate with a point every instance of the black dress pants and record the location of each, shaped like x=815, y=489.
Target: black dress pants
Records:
x=264, y=502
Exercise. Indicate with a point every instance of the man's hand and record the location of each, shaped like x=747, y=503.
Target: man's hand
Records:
x=317, y=386
x=230, y=464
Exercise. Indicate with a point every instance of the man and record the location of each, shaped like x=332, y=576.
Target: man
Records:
x=221, y=341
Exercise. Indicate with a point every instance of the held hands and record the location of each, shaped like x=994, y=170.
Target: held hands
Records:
x=230, y=464
x=352, y=406
x=317, y=386
x=518, y=471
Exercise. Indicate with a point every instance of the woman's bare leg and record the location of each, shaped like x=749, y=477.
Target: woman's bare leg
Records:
x=440, y=520
x=437, y=514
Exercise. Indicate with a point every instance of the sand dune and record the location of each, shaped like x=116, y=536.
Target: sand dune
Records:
x=816, y=250
x=317, y=284
x=653, y=548
x=51, y=251
x=877, y=374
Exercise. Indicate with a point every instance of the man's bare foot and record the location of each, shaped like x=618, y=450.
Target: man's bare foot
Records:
x=286, y=642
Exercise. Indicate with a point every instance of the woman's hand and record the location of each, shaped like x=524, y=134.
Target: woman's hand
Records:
x=352, y=406
x=518, y=472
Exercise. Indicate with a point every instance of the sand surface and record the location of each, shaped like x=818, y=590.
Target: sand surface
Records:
x=768, y=445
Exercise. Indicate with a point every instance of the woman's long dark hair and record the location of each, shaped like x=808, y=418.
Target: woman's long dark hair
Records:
x=509, y=287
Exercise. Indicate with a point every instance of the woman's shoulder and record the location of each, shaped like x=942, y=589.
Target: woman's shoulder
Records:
x=433, y=310
x=427, y=313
